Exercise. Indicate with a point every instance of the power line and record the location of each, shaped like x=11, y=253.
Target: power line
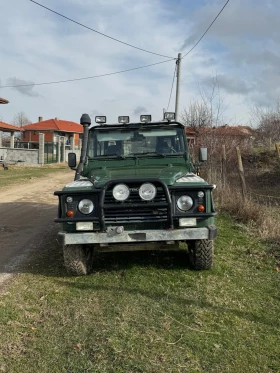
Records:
x=85, y=78
x=98, y=32
x=207, y=29
x=172, y=86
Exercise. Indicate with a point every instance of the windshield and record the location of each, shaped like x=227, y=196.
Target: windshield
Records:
x=138, y=142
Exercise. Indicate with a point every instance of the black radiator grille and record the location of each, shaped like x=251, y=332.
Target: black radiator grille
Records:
x=144, y=212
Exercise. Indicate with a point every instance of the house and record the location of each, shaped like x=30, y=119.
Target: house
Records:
x=52, y=128
x=222, y=134
x=5, y=127
x=191, y=135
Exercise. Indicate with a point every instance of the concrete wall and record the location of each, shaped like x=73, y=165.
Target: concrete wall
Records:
x=35, y=157
x=29, y=156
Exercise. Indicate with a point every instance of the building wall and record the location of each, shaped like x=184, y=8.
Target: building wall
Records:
x=76, y=139
x=29, y=156
x=33, y=136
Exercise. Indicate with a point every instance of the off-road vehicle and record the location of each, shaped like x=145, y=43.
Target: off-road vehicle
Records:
x=135, y=188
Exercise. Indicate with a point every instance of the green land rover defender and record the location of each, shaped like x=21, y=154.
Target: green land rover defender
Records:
x=135, y=188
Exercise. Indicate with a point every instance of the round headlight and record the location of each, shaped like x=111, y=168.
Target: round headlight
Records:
x=184, y=203
x=121, y=192
x=86, y=206
x=147, y=191
x=200, y=194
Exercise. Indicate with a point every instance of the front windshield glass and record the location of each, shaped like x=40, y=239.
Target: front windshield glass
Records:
x=136, y=142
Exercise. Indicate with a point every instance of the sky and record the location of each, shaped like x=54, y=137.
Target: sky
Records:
x=241, y=52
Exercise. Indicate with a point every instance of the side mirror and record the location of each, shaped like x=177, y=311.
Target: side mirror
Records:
x=203, y=154
x=72, y=160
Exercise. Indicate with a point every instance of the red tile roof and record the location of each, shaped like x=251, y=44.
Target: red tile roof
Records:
x=243, y=131
x=3, y=101
x=55, y=125
x=5, y=127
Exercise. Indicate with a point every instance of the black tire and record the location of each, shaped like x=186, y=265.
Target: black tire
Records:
x=78, y=259
x=201, y=253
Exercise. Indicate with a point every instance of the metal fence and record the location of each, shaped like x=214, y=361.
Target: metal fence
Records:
x=51, y=152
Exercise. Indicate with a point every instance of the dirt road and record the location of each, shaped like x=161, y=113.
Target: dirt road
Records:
x=27, y=212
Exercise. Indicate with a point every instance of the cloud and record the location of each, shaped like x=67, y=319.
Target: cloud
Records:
x=140, y=110
x=241, y=47
x=94, y=113
x=230, y=84
x=28, y=91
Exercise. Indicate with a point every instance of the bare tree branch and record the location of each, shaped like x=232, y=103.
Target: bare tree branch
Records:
x=21, y=119
x=209, y=110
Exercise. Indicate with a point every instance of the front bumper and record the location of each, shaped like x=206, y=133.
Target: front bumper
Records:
x=113, y=236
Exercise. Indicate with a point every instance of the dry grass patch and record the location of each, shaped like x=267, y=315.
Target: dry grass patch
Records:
x=18, y=174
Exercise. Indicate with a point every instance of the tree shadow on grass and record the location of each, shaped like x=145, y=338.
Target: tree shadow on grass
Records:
x=183, y=301
x=47, y=260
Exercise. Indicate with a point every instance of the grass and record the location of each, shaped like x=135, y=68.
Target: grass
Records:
x=145, y=312
x=19, y=174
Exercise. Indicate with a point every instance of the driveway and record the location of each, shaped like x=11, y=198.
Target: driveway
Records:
x=27, y=212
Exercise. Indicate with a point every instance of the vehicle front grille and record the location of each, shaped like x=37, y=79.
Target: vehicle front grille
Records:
x=134, y=209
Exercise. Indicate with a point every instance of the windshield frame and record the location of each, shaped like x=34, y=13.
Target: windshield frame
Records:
x=139, y=128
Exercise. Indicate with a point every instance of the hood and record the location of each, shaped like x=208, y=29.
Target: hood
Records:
x=167, y=173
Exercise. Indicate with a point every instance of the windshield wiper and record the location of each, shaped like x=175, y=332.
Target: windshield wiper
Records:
x=110, y=156
x=151, y=153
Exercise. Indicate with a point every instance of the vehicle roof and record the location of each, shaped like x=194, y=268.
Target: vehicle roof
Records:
x=136, y=125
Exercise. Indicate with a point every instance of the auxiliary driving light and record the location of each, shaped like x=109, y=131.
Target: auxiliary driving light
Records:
x=145, y=118
x=84, y=226
x=123, y=119
x=147, y=191
x=169, y=116
x=100, y=119
x=187, y=222
x=121, y=192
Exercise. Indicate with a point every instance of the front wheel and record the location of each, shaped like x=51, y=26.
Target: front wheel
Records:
x=78, y=259
x=201, y=254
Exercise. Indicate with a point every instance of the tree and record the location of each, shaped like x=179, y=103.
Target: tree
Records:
x=267, y=121
x=208, y=110
x=21, y=119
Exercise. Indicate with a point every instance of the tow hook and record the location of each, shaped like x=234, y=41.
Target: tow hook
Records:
x=114, y=231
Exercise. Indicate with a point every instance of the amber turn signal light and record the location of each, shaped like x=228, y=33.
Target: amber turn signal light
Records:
x=70, y=213
x=201, y=208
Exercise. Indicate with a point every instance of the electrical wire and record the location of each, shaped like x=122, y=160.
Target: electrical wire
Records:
x=98, y=32
x=206, y=30
x=172, y=86
x=85, y=78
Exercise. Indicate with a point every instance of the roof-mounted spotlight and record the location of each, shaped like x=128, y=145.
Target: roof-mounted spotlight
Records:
x=169, y=116
x=123, y=119
x=100, y=119
x=145, y=118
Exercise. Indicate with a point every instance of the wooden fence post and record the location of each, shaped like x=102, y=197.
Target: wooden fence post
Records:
x=241, y=173
x=277, y=146
x=224, y=159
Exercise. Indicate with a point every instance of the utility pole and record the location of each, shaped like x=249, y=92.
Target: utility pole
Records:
x=178, y=62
